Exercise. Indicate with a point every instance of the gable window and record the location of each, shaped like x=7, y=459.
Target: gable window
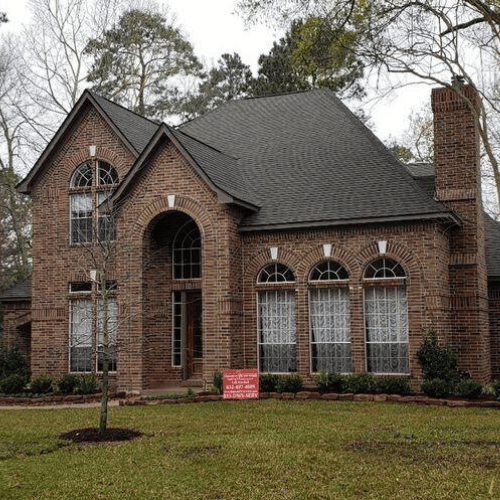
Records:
x=386, y=317
x=187, y=251
x=330, y=318
x=87, y=318
x=90, y=218
x=276, y=320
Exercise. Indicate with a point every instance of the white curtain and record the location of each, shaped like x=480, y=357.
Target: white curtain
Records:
x=277, y=331
x=386, y=316
x=81, y=336
x=330, y=322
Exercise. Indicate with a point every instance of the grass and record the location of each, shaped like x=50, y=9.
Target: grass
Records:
x=267, y=449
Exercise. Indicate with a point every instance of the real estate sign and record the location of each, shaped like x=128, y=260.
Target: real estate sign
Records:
x=241, y=384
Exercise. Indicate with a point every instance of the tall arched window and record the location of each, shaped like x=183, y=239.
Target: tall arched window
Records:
x=187, y=251
x=276, y=320
x=330, y=318
x=386, y=317
x=90, y=218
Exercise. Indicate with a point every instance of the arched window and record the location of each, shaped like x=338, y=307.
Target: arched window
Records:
x=386, y=317
x=330, y=318
x=187, y=251
x=90, y=218
x=276, y=320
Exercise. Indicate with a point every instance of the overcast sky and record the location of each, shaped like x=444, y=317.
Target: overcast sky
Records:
x=213, y=29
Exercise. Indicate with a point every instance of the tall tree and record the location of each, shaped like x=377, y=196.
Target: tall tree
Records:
x=139, y=61
x=312, y=54
x=14, y=209
x=230, y=79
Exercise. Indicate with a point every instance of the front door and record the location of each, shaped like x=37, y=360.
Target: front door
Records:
x=194, y=347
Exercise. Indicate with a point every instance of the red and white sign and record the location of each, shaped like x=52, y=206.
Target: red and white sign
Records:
x=241, y=384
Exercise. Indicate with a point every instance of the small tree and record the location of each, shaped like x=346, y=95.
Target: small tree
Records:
x=438, y=362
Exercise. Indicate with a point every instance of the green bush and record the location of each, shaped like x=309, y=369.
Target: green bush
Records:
x=365, y=383
x=268, y=382
x=437, y=388
x=88, y=384
x=394, y=385
x=12, y=362
x=329, y=382
x=290, y=383
x=13, y=384
x=69, y=384
x=495, y=388
x=470, y=389
x=438, y=362
x=41, y=384
x=217, y=381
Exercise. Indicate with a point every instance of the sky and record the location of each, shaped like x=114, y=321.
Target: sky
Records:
x=213, y=29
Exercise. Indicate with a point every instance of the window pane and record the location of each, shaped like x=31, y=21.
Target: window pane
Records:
x=276, y=273
x=329, y=316
x=82, y=176
x=106, y=174
x=328, y=270
x=81, y=336
x=386, y=316
x=187, y=252
x=81, y=218
x=107, y=346
x=277, y=331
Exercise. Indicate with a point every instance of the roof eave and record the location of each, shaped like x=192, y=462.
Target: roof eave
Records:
x=448, y=217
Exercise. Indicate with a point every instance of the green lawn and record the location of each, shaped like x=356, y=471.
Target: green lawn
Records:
x=266, y=449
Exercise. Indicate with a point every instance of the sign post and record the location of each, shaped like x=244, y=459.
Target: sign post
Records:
x=241, y=384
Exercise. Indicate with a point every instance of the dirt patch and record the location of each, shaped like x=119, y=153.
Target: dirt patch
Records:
x=93, y=435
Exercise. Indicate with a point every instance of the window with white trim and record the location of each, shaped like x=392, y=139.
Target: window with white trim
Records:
x=187, y=251
x=86, y=328
x=386, y=317
x=330, y=318
x=90, y=218
x=276, y=321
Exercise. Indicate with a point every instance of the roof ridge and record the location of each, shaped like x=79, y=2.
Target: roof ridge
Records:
x=95, y=95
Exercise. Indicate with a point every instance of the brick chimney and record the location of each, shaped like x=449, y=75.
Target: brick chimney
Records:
x=458, y=186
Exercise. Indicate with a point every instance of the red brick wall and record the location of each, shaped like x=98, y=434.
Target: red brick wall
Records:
x=458, y=185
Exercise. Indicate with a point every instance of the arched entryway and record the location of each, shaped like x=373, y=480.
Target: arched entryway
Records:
x=172, y=299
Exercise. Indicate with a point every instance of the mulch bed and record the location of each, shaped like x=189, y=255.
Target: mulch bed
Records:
x=93, y=435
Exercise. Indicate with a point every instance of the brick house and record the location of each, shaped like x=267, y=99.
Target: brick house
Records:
x=275, y=232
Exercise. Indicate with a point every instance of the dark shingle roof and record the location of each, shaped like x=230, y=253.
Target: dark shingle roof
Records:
x=309, y=160
x=137, y=129
x=19, y=292
x=223, y=170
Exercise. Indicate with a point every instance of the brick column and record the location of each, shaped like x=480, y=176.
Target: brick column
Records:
x=458, y=186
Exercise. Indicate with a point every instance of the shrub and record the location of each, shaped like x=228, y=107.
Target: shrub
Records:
x=495, y=387
x=470, y=389
x=41, y=384
x=12, y=362
x=361, y=383
x=13, y=384
x=217, y=382
x=437, y=388
x=290, y=383
x=69, y=384
x=329, y=382
x=88, y=384
x=438, y=362
x=394, y=385
x=268, y=382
